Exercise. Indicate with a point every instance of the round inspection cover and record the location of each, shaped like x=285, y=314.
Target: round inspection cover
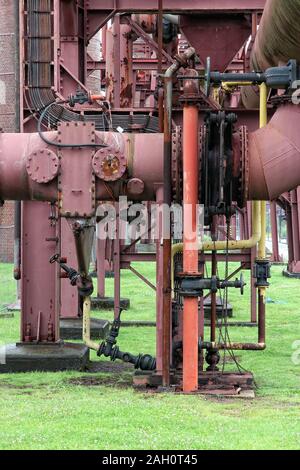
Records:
x=42, y=166
x=109, y=164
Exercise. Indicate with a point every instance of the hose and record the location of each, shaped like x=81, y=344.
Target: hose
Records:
x=57, y=144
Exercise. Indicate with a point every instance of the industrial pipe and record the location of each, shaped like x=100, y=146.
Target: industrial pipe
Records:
x=233, y=346
x=179, y=62
x=190, y=235
x=86, y=325
x=263, y=120
x=174, y=19
x=231, y=244
x=25, y=160
x=274, y=155
x=278, y=36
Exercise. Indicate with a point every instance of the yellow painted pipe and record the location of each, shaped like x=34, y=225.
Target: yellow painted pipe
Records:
x=86, y=325
x=232, y=245
x=258, y=208
x=227, y=86
x=263, y=121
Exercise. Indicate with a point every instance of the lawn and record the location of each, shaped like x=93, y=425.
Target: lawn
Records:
x=56, y=411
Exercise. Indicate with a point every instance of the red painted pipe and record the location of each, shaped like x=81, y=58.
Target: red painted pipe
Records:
x=190, y=250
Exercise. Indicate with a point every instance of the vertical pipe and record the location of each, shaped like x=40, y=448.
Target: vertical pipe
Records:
x=274, y=230
x=190, y=250
x=263, y=120
x=159, y=284
x=167, y=243
x=117, y=61
x=213, y=297
x=159, y=69
x=100, y=247
x=160, y=35
x=117, y=267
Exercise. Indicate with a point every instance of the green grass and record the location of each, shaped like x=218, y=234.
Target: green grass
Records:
x=46, y=411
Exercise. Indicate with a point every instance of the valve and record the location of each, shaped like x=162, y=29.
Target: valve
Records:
x=108, y=348
x=81, y=97
x=193, y=286
x=84, y=284
x=262, y=272
x=274, y=77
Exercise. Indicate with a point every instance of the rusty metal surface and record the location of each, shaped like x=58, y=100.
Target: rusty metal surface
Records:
x=76, y=181
x=176, y=6
x=42, y=166
x=144, y=162
x=274, y=155
x=109, y=164
x=39, y=304
x=218, y=37
x=278, y=36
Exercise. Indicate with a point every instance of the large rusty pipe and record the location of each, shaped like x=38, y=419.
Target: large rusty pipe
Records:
x=274, y=155
x=143, y=154
x=278, y=36
x=190, y=241
x=274, y=150
x=167, y=179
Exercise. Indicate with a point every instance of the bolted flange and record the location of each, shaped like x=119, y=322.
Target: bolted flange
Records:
x=109, y=164
x=42, y=166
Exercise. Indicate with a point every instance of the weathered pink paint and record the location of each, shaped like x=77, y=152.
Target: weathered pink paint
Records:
x=274, y=155
x=144, y=160
x=69, y=301
x=39, y=278
x=218, y=37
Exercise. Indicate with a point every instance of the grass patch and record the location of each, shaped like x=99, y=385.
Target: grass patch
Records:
x=100, y=410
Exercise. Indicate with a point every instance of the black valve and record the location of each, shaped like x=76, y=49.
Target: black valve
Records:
x=84, y=284
x=262, y=272
x=108, y=348
x=81, y=97
x=193, y=286
x=274, y=77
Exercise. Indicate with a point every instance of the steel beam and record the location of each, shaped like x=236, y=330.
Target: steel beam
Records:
x=177, y=6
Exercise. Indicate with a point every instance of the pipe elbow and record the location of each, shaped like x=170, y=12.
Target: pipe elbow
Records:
x=274, y=155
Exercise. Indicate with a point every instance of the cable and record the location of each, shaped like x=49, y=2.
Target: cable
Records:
x=226, y=339
x=57, y=144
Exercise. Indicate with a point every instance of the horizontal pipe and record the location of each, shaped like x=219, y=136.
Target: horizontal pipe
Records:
x=234, y=346
x=232, y=245
x=143, y=154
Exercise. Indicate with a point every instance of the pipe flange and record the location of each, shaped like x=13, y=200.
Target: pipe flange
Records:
x=42, y=166
x=135, y=187
x=177, y=182
x=109, y=164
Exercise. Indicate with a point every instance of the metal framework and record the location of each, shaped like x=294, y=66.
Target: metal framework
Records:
x=107, y=146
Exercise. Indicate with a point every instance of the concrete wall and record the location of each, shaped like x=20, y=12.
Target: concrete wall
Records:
x=9, y=104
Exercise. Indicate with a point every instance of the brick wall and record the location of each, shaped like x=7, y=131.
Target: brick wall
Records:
x=7, y=232
x=8, y=105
